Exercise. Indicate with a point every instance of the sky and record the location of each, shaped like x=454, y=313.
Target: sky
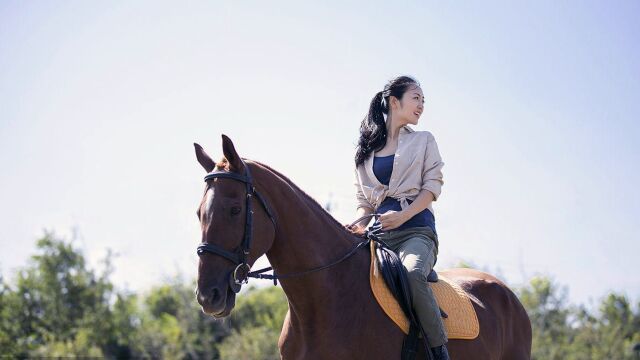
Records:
x=534, y=106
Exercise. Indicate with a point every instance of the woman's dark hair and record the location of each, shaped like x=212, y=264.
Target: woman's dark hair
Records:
x=373, y=130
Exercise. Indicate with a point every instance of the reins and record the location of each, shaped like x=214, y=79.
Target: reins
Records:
x=258, y=274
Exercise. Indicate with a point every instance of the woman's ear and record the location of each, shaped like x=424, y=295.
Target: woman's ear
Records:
x=394, y=103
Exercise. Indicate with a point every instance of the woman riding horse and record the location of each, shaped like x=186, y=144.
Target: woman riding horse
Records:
x=398, y=175
x=249, y=209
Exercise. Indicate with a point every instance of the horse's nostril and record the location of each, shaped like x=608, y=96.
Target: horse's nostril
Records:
x=215, y=295
x=202, y=299
x=209, y=296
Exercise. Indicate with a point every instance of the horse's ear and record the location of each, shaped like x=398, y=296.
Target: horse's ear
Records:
x=203, y=158
x=235, y=164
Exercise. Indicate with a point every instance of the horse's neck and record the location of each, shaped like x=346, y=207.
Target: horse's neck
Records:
x=306, y=238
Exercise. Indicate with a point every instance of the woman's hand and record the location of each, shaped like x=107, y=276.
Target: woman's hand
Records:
x=355, y=229
x=392, y=219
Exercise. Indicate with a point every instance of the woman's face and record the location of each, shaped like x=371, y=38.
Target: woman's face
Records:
x=411, y=106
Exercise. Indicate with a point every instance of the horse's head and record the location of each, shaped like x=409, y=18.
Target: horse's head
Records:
x=237, y=228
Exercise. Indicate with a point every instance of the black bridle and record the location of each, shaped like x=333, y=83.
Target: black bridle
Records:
x=239, y=256
x=241, y=274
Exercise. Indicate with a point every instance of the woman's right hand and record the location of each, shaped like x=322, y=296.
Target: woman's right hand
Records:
x=355, y=229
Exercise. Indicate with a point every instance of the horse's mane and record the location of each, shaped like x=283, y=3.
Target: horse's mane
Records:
x=310, y=200
x=223, y=164
x=357, y=230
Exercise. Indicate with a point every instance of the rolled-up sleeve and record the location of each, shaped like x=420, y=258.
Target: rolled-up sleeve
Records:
x=432, y=168
x=362, y=200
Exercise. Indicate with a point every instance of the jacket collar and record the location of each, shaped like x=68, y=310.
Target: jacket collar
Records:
x=368, y=163
x=407, y=129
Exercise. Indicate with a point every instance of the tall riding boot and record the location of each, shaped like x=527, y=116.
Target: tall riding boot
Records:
x=440, y=352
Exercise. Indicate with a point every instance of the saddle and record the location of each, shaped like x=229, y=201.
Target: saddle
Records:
x=459, y=316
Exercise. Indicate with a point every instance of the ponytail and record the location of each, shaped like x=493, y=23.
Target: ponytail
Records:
x=373, y=128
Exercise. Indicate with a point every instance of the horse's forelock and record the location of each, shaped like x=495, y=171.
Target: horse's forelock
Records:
x=223, y=164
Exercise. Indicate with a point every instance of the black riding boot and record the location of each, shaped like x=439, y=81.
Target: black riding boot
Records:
x=440, y=352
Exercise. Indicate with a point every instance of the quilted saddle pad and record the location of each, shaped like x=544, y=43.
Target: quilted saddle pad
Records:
x=462, y=322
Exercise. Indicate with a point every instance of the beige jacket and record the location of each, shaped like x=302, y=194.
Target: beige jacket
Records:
x=417, y=165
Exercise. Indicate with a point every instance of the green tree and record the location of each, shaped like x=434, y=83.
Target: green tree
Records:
x=546, y=305
x=125, y=320
x=562, y=331
x=173, y=326
x=164, y=300
x=256, y=323
x=260, y=307
x=611, y=335
x=251, y=343
x=59, y=307
x=8, y=328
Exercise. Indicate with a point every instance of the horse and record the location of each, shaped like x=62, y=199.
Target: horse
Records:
x=249, y=209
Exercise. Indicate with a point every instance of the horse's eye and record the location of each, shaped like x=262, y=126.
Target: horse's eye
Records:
x=235, y=210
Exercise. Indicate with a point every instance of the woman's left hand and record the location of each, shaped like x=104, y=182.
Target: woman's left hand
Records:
x=392, y=219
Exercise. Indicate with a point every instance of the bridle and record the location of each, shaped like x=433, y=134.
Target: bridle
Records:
x=241, y=274
x=239, y=256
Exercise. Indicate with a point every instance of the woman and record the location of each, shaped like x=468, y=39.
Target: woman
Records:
x=398, y=174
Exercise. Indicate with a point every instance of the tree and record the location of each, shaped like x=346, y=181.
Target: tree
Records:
x=173, y=326
x=256, y=323
x=251, y=343
x=260, y=307
x=545, y=302
x=568, y=332
x=58, y=306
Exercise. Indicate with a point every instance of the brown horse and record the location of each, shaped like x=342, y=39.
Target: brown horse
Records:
x=332, y=313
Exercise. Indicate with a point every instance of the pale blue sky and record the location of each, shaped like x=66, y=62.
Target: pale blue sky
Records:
x=534, y=105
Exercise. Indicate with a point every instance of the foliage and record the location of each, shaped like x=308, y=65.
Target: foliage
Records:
x=562, y=331
x=57, y=306
x=264, y=307
x=252, y=343
x=173, y=326
x=256, y=322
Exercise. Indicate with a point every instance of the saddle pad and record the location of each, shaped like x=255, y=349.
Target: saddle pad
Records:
x=462, y=322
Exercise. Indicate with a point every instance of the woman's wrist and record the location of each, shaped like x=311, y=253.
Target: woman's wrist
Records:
x=406, y=215
x=422, y=202
x=362, y=211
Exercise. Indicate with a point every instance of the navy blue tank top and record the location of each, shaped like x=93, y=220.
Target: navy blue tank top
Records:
x=382, y=167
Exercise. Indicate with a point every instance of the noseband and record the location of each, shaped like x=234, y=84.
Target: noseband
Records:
x=239, y=256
